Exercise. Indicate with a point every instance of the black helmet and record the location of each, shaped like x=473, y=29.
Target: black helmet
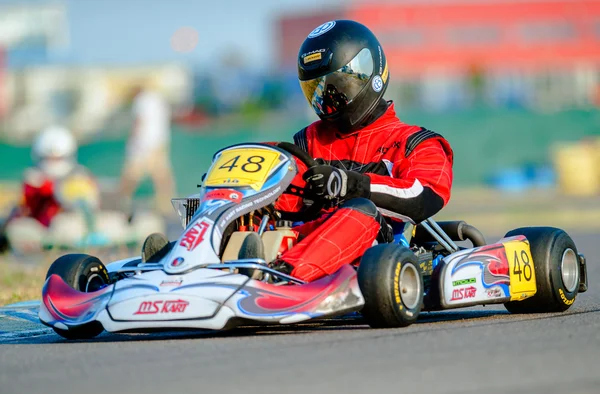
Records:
x=343, y=72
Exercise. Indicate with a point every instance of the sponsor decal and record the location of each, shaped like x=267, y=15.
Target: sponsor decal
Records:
x=155, y=307
x=177, y=262
x=564, y=299
x=223, y=194
x=334, y=184
x=377, y=84
x=465, y=292
x=248, y=205
x=495, y=292
x=385, y=149
x=312, y=56
x=172, y=282
x=397, y=285
x=194, y=236
x=462, y=282
x=324, y=28
x=313, y=52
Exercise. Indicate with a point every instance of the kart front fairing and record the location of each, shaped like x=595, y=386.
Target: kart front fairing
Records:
x=227, y=194
x=189, y=287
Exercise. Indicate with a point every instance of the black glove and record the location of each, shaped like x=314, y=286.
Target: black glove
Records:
x=333, y=183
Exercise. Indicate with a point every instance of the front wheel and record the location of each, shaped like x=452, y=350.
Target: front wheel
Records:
x=83, y=273
x=390, y=280
x=557, y=270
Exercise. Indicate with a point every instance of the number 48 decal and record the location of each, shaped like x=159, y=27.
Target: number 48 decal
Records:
x=526, y=270
x=243, y=167
x=521, y=270
x=253, y=164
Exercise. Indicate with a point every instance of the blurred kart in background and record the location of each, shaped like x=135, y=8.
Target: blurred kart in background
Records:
x=80, y=224
x=217, y=275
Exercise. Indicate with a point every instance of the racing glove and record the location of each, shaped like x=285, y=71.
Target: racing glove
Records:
x=334, y=183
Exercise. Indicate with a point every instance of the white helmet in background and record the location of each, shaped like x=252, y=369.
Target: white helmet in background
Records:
x=54, y=151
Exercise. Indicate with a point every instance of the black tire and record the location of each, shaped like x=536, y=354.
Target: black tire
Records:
x=84, y=273
x=155, y=247
x=548, y=246
x=252, y=248
x=379, y=277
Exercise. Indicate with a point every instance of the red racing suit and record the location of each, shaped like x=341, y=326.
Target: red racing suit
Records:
x=38, y=200
x=39, y=194
x=410, y=172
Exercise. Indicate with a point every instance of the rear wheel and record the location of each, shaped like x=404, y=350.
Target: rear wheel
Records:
x=391, y=282
x=83, y=273
x=556, y=264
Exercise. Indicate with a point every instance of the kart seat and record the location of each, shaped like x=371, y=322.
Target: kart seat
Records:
x=272, y=242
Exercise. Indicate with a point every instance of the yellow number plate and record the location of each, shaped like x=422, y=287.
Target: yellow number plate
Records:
x=521, y=269
x=242, y=167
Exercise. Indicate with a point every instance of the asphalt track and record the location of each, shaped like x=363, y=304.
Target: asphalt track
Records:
x=476, y=350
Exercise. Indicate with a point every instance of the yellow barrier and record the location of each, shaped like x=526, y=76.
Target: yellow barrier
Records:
x=578, y=167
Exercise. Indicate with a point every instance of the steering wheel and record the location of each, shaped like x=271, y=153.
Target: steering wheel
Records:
x=314, y=210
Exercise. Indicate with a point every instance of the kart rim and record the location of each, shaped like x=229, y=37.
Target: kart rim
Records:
x=94, y=283
x=569, y=269
x=410, y=286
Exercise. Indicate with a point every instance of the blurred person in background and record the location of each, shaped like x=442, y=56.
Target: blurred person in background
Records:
x=45, y=190
x=148, y=148
x=376, y=169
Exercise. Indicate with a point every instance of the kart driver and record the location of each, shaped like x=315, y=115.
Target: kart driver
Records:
x=54, y=154
x=375, y=167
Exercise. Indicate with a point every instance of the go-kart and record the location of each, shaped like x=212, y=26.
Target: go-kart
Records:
x=207, y=278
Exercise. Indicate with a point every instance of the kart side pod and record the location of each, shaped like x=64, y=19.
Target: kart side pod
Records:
x=490, y=274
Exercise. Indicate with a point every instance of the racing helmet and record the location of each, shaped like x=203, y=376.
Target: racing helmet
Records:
x=54, y=151
x=343, y=73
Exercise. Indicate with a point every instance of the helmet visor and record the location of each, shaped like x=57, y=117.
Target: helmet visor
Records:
x=333, y=92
